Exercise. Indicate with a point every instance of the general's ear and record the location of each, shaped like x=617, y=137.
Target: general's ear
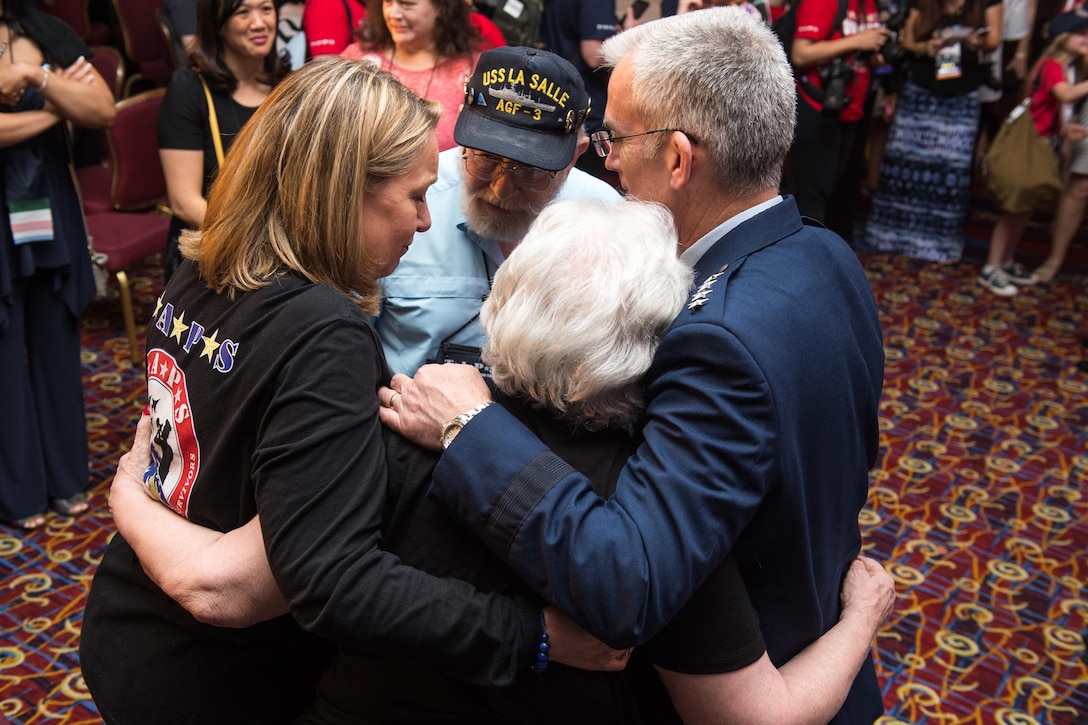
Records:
x=681, y=159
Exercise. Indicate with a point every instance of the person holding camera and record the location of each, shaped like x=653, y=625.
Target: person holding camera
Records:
x=836, y=45
x=923, y=191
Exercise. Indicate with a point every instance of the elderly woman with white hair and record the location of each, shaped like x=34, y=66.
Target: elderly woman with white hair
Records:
x=573, y=322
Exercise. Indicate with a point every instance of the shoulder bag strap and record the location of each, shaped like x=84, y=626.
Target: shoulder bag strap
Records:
x=816, y=93
x=213, y=121
x=351, y=26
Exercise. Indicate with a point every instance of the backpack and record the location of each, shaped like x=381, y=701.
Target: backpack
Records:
x=786, y=25
x=519, y=21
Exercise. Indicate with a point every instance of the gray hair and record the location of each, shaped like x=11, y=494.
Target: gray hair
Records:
x=577, y=311
x=721, y=76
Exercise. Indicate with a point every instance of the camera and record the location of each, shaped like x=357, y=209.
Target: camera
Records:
x=836, y=77
x=894, y=16
x=639, y=7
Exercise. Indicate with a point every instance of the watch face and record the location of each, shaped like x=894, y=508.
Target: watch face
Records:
x=450, y=432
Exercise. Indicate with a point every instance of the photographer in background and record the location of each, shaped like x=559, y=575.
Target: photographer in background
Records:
x=836, y=45
x=923, y=191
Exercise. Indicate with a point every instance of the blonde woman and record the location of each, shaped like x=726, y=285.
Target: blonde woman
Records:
x=262, y=377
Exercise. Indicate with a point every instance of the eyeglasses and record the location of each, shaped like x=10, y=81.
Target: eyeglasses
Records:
x=603, y=140
x=482, y=167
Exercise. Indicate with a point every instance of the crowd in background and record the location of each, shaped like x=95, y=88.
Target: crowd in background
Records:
x=895, y=101
x=908, y=74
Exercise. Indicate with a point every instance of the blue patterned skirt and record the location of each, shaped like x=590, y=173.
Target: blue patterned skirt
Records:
x=920, y=204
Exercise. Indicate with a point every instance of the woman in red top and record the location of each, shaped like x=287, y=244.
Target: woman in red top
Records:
x=1053, y=94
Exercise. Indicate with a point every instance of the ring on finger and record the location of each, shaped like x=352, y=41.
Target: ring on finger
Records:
x=393, y=398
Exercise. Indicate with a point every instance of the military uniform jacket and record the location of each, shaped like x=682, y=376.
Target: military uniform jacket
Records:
x=760, y=429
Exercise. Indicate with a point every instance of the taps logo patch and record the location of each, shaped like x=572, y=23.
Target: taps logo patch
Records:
x=175, y=451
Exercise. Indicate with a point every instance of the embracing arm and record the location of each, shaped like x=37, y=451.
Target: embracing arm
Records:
x=808, y=689
x=319, y=478
x=711, y=456
x=224, y=578
x=221, y=579
x=622, y=567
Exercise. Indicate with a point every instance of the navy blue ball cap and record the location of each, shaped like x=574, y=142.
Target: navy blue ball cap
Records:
x=523, y=104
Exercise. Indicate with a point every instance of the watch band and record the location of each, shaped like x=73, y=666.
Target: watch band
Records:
x=453, y=427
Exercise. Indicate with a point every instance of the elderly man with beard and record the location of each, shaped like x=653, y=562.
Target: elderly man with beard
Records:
x=520, y=132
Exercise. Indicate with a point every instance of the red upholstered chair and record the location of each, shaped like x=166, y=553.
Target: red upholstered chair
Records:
x=126, y=238
x=94, y=181
x=94, y=187
x=110, y=65
x=136, y=179
x=137, y=226
x=144, y=43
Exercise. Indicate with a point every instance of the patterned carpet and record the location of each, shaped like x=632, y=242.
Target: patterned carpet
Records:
x=977, y=506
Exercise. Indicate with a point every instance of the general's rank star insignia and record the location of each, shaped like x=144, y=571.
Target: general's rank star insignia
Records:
x=699, y=298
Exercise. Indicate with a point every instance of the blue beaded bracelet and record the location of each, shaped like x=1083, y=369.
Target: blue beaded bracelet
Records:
x=541, y=662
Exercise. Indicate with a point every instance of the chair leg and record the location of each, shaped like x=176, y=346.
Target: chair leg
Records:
x=130, y=318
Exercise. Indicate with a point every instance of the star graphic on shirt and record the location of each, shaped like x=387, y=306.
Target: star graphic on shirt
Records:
x=179, y=327
x=210, y=345
x=158, y=306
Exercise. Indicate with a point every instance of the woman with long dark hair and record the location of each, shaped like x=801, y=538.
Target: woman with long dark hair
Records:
x=235, y=66
x=45, y=271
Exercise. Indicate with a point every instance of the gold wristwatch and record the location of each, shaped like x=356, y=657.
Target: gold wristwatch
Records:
x=452, y=428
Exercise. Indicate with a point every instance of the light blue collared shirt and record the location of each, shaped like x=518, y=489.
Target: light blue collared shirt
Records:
x=434, y=295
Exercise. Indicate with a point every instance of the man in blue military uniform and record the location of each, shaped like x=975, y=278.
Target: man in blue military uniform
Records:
x=763, y=397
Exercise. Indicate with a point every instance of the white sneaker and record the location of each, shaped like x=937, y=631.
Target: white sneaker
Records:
x=995, y=280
